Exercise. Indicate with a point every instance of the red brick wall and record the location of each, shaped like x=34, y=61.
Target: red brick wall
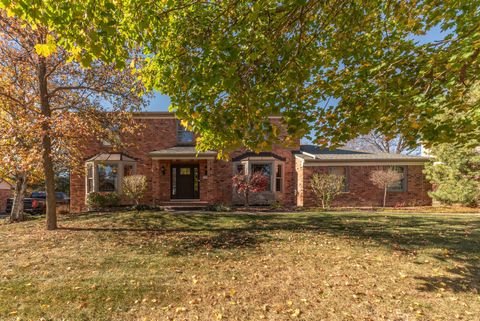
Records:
x=4, y=195
x=160, y=133
x=216, y=175
x=362, y=192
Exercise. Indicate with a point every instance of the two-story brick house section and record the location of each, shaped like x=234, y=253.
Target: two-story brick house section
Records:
x=176, y=173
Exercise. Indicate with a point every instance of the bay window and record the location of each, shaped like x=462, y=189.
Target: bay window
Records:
x=105, y=172
x=107, y=177
x=272, y=169
x=266, y=170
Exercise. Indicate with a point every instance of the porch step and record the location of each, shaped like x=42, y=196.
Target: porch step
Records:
x=181, y=205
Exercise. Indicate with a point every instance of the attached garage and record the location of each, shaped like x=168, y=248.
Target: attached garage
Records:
x=356, y=168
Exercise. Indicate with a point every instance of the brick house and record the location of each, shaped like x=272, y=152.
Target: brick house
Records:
x=164, y=152
x=5, y=193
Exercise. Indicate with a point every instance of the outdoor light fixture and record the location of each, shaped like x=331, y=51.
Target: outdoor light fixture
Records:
x=163, y=170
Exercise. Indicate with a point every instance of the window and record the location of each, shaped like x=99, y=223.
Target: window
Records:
x=185, y=171
x=128, y=170
x=174, y=180
x=279, y=178
x=89, y=178
x=107, y=177
x=343, y=172
x=240, y=169
x=195, y=180
x=401, y=185
x=184, y=136
x=265, y=169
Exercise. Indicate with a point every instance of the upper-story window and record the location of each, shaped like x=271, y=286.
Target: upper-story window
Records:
x=184, y=136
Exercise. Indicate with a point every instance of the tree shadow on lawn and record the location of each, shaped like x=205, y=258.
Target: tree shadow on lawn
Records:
x=458, y=237
x=224, y=240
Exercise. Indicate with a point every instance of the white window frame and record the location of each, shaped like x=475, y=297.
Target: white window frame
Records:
x=247, y=167
x=120, y=174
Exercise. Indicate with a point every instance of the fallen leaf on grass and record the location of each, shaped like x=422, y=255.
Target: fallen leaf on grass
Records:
x=296, y=313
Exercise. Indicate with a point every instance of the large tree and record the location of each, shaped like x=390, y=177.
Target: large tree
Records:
x=335, y=68
x=65, y=103
x=19, y=154
x=377, y=142
x=455, y=173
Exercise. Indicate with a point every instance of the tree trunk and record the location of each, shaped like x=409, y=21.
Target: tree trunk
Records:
x=47, y=146
x=17, y=207
x=247, y=199
x=385, y=196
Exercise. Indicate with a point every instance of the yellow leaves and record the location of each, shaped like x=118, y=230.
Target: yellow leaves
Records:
x=48, y=48
x=195, y=115
x=296, y=313
x=10, y=13
x=415, y=125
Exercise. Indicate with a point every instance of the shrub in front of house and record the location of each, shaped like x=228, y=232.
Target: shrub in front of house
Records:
x=326, y=187
x=96, y=200
x=134, y=188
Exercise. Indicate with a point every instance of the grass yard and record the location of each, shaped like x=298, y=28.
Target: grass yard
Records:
x=228, y=266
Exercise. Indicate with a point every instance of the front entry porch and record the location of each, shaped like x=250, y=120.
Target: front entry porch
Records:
x=182, y=177
x=185, y=182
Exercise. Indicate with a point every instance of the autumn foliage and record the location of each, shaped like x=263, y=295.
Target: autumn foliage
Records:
x=247, y=184
x=51, y=107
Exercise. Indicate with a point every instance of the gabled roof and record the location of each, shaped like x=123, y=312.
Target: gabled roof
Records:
x=313, y=153
x=182, y=152
x=257, y=155
x=111, y=157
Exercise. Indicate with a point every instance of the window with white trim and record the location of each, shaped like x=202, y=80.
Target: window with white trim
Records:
x=266, y=170
x=107, y=176
x=279, y=178
x=90, y=177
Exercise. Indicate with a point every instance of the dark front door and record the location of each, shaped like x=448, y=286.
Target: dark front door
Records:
x=185, y=182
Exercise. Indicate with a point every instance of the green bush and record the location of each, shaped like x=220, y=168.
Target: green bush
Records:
x=103, y=200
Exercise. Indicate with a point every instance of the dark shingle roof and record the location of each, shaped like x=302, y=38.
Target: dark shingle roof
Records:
x=316, y=153
x=261, y=154
x=182, y=151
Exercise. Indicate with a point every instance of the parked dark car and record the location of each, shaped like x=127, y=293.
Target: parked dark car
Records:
x=36, y=203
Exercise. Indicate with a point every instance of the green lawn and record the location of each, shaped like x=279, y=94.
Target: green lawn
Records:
x=213, y=266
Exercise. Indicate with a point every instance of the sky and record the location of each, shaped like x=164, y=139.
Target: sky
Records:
x=161, y=102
